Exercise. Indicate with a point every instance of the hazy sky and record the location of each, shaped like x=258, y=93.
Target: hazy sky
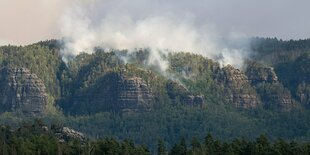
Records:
x=27, y=21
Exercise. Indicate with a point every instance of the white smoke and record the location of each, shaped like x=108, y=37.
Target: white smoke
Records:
x=5, y=42
x=160, y=26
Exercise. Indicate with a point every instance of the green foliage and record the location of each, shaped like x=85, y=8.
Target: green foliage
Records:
x=38, y=139
x=34, y=138
x=271, y=94
x=44, y=60
x=295, y=76
x=79, y=85
x=161, y=148
x=261, y=146
x=273, y=51
x=41, y=60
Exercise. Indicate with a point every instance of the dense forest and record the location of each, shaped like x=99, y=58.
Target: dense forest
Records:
x=111, y=99
x=37, y=138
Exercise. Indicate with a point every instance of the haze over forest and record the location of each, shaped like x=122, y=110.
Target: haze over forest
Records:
x=84, y=76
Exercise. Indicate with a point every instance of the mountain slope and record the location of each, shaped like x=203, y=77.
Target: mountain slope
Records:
x=102, y=95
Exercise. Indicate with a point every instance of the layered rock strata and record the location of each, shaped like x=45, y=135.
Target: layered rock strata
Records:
x=22, y=91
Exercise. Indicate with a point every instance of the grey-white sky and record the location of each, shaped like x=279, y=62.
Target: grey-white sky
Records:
x=27, y=21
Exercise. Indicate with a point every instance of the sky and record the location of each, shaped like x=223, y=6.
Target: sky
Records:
x=28, y=21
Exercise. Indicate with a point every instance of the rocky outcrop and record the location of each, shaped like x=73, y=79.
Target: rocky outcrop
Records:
x=257, y=85
x=133, y=94
x=22, y=91
x=179, y=93
x=114, y=92
x=65, y=134
x=237, y=88
x=272, y=93
x=257, y=74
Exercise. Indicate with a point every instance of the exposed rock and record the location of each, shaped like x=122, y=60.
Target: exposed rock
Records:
x=234, y=78
x=258, y=74
x=115, y=92
x=179, y=93
x=133, y=94
x=237, y=88
x=272, y=94
x=256, y=86
x=22, y=91
x=65, y=134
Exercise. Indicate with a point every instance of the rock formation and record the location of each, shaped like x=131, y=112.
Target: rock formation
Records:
x=272, y=93
x=237, y=88
x=133, y=94
x=257, y=85
x=115, y=92
x=22, y=91
x=257, y=74
x=65, y=134
x=179, y=93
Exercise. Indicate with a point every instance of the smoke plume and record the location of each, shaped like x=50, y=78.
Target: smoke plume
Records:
x=161, y=26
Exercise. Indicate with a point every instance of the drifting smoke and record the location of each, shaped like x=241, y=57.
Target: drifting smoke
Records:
x=4, y=42
x=160, y=26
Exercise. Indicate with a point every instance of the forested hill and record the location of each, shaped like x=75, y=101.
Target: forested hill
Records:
x=102, y=95
x=273, y=51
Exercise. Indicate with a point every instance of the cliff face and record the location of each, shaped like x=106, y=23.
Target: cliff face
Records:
x=22, y=91
x=133, y=94
x=115, y=92
x=270, y=90
x=237, y=88
x=262, y=74
x=256, y=86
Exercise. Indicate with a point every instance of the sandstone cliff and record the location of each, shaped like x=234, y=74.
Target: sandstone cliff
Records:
x=256, y=86
x=237, y=88
x=22, y=91
x=258, y=73
x=114, y=92
x=272, y=93
x=133, y=94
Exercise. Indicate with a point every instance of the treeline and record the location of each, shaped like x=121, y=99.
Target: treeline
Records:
x=37, y=138
x=40, y=139
x=274, y=51
x=239, y=146
x=268, y=45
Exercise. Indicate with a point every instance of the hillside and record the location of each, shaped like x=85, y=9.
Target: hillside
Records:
x=102, y=95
